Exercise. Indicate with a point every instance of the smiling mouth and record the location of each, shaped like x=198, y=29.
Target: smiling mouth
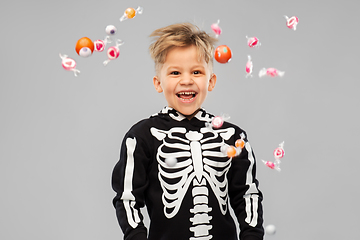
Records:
x=186, y=96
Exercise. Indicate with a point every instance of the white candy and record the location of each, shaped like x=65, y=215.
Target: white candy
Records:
x=171, y=161
x=270, y=229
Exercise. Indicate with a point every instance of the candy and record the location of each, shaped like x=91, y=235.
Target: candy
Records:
x=223, y=54
x=99, y=45
x=240, y=143
x=113, y=52
x=110, y=30
x=279, y=152
x=292, y=22
x=231, y=151
x=215, y=27
x=272, y=165
x=131, y=13
x=171, y=161
x=249, y=67
x=217, y=121
x=69, y=64
x=272, y=72
x=84, y=47
x=270, y=229
x=253, y=42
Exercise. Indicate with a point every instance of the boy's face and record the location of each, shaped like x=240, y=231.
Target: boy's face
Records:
x=184, y=80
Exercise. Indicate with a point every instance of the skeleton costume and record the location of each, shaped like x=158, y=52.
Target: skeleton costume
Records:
x=188, y=200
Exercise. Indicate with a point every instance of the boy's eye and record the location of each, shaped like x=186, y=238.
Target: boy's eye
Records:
x=196, y=72
x=175, y=73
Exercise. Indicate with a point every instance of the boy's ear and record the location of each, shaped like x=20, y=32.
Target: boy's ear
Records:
x=212, y=82
x=157, y=84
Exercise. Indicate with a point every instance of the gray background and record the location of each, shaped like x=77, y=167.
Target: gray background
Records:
x=60, y=134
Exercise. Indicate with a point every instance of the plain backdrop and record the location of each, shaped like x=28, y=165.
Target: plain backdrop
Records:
x=60, y=134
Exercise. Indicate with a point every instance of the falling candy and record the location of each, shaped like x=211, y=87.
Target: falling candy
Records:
x=171, y=161
x=113, y=52
x=223, y=54
x=131, y=13
x=233, y=151
x=271, y=165
x=279, y=152
x=69, y=64
x=291, y=22
x=270, y=229
x=217, y=121
x=272, y=72
x=99, y=45
x=84, y=47
x=249, y=67
x=215, y=27
x=110, y=30
x=253, y=42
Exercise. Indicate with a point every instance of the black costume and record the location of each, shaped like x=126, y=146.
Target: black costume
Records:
x=188, y=200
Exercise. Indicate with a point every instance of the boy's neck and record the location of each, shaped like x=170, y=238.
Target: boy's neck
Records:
x=189, y=117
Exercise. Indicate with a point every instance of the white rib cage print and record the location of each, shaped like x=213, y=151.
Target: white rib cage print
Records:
x=200, y=162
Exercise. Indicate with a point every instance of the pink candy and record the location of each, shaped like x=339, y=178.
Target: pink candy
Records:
x=278, y=154
x=249, y=67
x=217, y=121
x=69, y=64
x=253, y=42
x=272, y=165
x=113, y=52
x=215, y=27
x=292, y=22
x=271, y=72
x=99, y=45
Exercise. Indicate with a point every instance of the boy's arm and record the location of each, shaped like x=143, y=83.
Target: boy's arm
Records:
x=245, y=197
x=129, y=181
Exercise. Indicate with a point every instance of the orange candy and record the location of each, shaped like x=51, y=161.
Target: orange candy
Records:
x=84, y=43
x=130, y=13
x=223, y=54
x=231, y=151
x=240, y=143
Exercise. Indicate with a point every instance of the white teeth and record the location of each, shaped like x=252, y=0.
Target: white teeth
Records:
x=186, y=93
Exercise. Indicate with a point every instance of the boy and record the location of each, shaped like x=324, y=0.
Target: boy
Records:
x=187, y=197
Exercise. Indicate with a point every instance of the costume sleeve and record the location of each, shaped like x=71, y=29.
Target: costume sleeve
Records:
x=245, y=196
x=129, y=181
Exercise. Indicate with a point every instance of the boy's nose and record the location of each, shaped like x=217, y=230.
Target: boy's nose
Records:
x=186, y=80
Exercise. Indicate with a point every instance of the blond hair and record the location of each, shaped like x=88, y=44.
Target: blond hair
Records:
x=181, y=35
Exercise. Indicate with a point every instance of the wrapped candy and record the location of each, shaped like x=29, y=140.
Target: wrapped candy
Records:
x=99, y=45
x=292, y=22
x=233, y=151
x=131, y=13
x=216, y=29
x=110, y=30
x=84, y=47
x=113, y=52
x=272, y=72
x=223, y=54
x=272, y=165
x=253, y=42
x=279, y=153
x=217, y=121
x=249, y=67
x=69, y=64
